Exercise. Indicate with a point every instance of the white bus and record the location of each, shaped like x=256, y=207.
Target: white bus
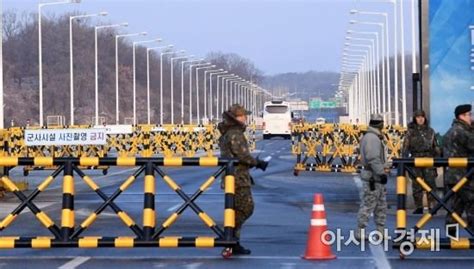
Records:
x=276, y=119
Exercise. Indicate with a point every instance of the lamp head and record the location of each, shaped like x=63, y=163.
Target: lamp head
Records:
x=103, y=13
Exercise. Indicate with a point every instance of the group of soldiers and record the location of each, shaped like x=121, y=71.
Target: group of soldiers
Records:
x=420, y=141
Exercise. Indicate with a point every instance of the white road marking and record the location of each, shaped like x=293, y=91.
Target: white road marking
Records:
x=358, y=182
x=193, y=265
x=380, y=258
x=173, y=208
x=74, y=263
x=84, y=212
x=288, y=265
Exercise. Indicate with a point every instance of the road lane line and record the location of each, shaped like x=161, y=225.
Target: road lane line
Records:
x=173, y=208
x=380, y=258
x=193, y=265
x=74, y=263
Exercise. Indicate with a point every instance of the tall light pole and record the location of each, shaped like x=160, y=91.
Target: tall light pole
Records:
x=148, y=103
x=197, y=90
x=117, y=103
x=172, y=80
x=71, y=60
x=96, y=29
x=218, y=91
x=191, y=89
x=404, y=89
x=206, y=115
x=386, y=103
x=134, y=48
x=40, y=51
x=1, y=66
x=211, y=96
x=183, y=63
x=161, y=83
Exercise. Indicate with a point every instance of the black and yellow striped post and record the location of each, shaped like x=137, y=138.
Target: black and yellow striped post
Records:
x=67, y=215
x=149, y=203
x=229, y=210
x=401, y=199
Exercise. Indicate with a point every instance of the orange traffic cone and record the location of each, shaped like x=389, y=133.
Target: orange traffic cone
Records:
x=315, y=248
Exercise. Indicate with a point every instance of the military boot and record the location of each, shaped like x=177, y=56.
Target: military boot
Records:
x=360, y=234
x=418, y=211
x=240, y=250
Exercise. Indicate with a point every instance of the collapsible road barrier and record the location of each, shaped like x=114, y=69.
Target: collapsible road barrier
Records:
x=335, y=147
x=68, y=234
x=408, y=238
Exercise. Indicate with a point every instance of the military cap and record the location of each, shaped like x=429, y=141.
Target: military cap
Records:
x=376, y=120
x=238, y=110
x=461, y=109
x=419, y=113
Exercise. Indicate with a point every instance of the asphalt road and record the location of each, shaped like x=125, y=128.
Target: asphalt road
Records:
x=276, y=233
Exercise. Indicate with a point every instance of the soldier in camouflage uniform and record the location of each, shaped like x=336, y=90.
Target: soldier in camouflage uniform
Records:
x=459, y=142
x=233, y=144
x=420, y=141
x=374, y=177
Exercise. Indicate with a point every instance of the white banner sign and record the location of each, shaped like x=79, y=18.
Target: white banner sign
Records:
x=116, y=129
x=62, y=137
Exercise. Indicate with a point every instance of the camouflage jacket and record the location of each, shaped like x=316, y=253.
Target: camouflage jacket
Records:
x=458, y=142
x=233, y=144
x=420, y=141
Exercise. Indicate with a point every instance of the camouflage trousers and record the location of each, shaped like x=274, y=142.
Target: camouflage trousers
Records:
x=429, y=176
x=372, y=202
x=462, y=201
x=243, y=207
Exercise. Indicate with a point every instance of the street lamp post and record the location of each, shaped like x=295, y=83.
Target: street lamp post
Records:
x=148, y=103
x=96, y=29
x=161, y=83
x=117, y=103
x=71, y=60
x=211, y=92
x=218, y=91
x=183, y=63
x=134, y=48
x=197, y=89
x=206, y=115
x=190, y=89
x=40, y=52
x=172, y=81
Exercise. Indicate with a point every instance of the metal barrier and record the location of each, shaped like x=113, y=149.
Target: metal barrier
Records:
x=405, y=166
x=335, y=147
x=148, y=235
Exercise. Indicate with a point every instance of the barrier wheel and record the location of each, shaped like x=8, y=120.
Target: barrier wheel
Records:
x=25, y=172
x=226, y=253
x=296, y=173
x=105, y=172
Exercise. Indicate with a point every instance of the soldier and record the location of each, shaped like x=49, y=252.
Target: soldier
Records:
x=459, y=142
x=420, y=141
x=374, y=175
x=233, y=144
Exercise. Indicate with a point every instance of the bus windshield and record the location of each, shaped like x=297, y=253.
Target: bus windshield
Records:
x=276, y=109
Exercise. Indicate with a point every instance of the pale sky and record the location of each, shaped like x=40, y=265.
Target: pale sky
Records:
x=277, y=35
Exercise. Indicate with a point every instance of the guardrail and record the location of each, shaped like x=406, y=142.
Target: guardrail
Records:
x=408, y=240
x=335, y=147
x=69, y=234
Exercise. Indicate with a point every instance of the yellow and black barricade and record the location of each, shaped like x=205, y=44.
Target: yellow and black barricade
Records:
x=406, y=166
x=69, y=234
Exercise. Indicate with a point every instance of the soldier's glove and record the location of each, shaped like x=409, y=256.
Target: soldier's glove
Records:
x=372, y=184
x=261, y=164
x=383, y=179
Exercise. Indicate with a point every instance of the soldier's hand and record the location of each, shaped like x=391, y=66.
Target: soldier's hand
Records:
x=383, y=179
x=261, y=164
